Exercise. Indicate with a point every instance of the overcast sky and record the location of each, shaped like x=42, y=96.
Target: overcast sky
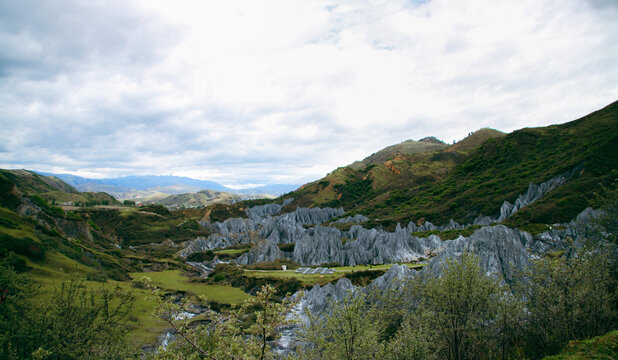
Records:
x=260, y=92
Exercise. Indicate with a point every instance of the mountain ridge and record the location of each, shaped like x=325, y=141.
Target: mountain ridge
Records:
x=136, y=186
x=477, y=174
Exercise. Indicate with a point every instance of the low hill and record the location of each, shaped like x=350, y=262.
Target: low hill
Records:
x=408, y=147
x=476, y=175
x=198, y=199
x=53, y=189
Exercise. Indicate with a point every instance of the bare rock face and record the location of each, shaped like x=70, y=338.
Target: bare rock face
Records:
x=316, y=300
x=501, y=251
x=356, y=219
x=261, y=225
x=395, y=277
x=319, y=245
x=266, y=251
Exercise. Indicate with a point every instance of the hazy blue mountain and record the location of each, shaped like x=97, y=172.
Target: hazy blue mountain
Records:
x=271, y=189
x=165, y=184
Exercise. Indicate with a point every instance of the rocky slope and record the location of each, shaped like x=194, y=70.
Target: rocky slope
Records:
x=319, y=244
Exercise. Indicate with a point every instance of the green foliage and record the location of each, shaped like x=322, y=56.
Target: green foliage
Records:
x=145, y=227
x=207, y=255
x=350, y=330
x=23, y=246
x=362, y=278
x=225, y=337
x=461, y=310
x=55, y=210
x=76, y=323
x=274, y=265
x=355, y=189
x=601, y=347
x=287, y=247
x=10, y=259
x=463, y=314
x=7, y=197
x=235, y=276
x=570, y=298
x=157, y=209
x=448, y=234
x=128, y=202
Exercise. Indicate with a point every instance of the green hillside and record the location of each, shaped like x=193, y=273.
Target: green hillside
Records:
x=198, y=199
x=476, y=175
x=52, y=189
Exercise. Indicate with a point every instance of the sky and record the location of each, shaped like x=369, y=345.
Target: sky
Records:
x=261, y=92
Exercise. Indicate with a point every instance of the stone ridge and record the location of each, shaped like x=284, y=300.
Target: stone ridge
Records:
x=319, y=244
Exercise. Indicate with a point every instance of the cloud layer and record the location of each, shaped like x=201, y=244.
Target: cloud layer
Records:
x=285, y=91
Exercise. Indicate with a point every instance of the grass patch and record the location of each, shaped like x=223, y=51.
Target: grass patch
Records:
x=448, y=234
x=173, y=280
x=313, y=279
x=600, y=347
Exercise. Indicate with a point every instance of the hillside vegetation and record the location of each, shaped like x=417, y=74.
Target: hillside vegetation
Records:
x=476, y=175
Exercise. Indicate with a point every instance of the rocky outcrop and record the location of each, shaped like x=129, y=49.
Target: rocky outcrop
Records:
x=394, y=278
x=356, y=219
x=262, y=211
x=316, y=300
x=76, y=229
x=320, y=244
x=261, y=225
x=366, y=246
x=266, y=251
x=501, y=251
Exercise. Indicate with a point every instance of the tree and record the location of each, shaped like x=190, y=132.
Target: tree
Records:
x=80, y=322
x=349, y=330
x=76, y=323
x=569, y=298
x=15, y=333
x=460, y=310
x=225, y=337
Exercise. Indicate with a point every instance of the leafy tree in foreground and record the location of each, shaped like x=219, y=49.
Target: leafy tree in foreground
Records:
x=466, y=314
x=569, y=298
x=224, y=337
x=76, y=323
x=85, y=323
x=350, y=330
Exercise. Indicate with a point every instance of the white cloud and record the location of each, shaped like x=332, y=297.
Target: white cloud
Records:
x=286, y=91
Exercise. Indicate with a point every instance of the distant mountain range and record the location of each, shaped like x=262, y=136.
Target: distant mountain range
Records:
x=130, y=187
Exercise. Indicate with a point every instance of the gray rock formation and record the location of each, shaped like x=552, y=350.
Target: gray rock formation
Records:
x=262, y=211
x=501, y=251
x=367, y=246
x=356, y=219
x=261, y=225
x=394, y=278
x=319, y=245
x=266, y=251
x=316, y=300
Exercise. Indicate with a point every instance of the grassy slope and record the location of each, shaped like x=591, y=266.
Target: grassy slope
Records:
x=312, y=279
x=51, y=188
x=408, y=147
x=141, y=226
x=601, y=348
x=476, y=175
x=51, y=257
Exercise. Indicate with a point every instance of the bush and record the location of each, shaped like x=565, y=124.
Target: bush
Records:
x=22, y=246
x=287, y=247
x=10, y=259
